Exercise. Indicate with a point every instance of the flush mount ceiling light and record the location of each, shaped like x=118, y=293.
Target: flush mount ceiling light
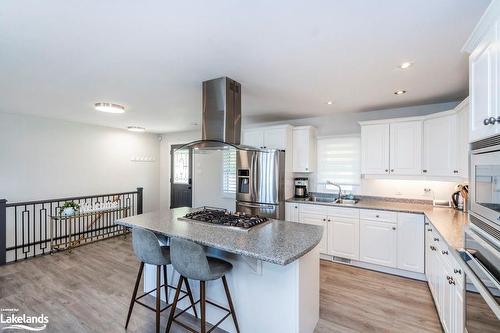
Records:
x=405, y=65
x=329, y=102
x=400, y=92
x=109, y=107
x=136, y=129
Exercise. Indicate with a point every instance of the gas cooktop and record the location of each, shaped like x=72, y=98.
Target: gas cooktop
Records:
x=225, y=218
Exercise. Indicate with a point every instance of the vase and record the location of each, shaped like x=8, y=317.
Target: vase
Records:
x=68, y=211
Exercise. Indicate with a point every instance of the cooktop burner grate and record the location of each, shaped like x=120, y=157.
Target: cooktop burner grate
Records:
x=224, y=217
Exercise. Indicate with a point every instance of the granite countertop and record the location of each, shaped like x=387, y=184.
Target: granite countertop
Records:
x=449, y=222
x=277, y=242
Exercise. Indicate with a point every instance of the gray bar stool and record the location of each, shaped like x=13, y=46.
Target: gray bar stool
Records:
x=148, y=250
x=190, y=260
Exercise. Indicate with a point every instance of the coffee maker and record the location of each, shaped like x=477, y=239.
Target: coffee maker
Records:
x=301, y=185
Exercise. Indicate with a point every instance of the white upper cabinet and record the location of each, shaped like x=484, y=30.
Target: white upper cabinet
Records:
x=275, y=137
x=253, y=137
x=440, y=156
x=483, y=94
x=375, y=149
x=304, y=149
x=484, y=73
x=406, y=148
x=463, y=138
x=435, y=145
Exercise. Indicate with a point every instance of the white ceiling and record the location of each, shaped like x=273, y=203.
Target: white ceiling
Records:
x=58, y=57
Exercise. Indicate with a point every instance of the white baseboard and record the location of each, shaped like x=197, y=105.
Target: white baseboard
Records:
x=373, y=267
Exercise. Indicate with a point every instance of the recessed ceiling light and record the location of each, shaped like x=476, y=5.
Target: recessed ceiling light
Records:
x=136, y=129
x=329, y=102
x=405, y=65
x=109, y=107
x=400, y=92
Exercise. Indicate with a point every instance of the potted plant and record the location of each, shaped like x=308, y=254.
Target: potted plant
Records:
x=69, y=208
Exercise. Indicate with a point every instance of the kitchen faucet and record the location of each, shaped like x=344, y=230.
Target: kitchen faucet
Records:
x=336, y=185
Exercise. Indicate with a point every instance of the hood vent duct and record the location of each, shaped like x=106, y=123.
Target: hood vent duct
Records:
x=221, y=116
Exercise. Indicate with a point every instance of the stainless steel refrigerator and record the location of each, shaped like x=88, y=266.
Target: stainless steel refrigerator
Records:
x=261, y=182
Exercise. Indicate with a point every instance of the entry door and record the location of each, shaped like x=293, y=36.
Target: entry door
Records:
x=181, y=192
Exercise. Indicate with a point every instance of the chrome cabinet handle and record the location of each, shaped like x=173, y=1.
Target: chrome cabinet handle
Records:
x=436, y=239
x=424, y=171
x=457, y=271
x=448, y=277
x=444, y=252
x=377, y=216
x=386, y=170
x=491, y=121
x=429, y=229
x=392, y=170
x=451, y=281
x=433, y=248
x=393, y=228
x=455, y=171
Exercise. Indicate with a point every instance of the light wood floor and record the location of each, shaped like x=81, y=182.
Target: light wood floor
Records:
x=89, y=291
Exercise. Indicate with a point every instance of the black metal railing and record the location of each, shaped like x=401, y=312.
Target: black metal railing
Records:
x=25, y=227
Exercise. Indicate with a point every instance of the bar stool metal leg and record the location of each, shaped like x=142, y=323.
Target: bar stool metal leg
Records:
x=174, y=304
x=134, y=294
x=202, y=306
x=158, y=290
x=231, y=306
x=191, y=299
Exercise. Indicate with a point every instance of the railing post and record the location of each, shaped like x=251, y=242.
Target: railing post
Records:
x=3, y=231
x=139, y=200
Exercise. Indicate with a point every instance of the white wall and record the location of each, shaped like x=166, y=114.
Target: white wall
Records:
x=44, y=158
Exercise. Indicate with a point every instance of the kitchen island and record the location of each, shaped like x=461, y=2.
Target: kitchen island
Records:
x=275, y=278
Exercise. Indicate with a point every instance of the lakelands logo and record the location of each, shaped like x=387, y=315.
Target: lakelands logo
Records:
x=22, y=322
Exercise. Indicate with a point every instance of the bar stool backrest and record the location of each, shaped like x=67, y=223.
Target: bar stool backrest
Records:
x=146, y=247
x=189, y=259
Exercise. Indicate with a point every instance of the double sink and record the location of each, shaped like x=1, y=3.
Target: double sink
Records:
x=338, y=201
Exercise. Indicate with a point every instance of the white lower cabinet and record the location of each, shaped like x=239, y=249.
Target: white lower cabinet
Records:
x=446, y=282
x=410, y=242
x=343, y=237
x=292, y=211
x=320, y=220
x=378, y=242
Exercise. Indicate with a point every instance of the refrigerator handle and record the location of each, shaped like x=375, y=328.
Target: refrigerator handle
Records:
x=244, y=204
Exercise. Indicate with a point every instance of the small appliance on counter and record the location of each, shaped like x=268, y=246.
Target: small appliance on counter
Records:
x=459, y=198
x=301, y=185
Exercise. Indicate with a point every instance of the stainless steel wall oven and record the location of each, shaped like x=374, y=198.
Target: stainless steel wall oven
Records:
x=481, y=253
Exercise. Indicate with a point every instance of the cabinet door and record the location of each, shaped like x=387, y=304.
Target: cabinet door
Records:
x=440, y=146
x=406, y=148
x=320, y=220
x=378, y=242
x=375, y=149
x=343, y=237
x=463, y=140
x=275, y=138
x=292, y=211
x=253, y=137
x=304, y=150
x=483, y=87
x=458, y=311
x=411, y=242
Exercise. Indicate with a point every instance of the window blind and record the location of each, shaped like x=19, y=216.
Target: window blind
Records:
x=339, y=160
x=229, y=171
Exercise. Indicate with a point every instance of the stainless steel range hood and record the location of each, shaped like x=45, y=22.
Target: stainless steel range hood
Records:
x=221, y=117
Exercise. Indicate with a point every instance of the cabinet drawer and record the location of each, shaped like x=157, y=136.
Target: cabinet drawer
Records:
x=378, y=215
x=313, y=209
x=343, y=212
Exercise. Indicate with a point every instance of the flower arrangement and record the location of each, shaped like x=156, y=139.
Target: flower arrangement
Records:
x=69, y=208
